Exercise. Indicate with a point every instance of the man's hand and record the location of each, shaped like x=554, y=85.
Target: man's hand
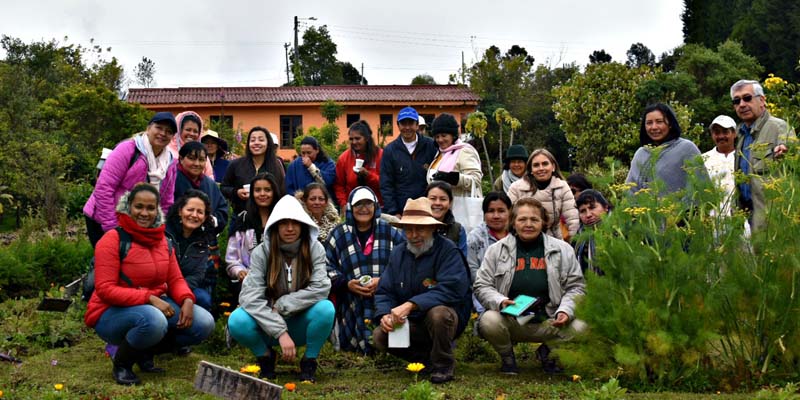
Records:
x=778, y=150
x=561, y=319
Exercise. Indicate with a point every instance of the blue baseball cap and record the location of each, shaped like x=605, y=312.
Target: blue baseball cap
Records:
x=165, y=117
x=408, y=113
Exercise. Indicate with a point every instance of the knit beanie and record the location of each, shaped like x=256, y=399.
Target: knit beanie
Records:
x=445, y=123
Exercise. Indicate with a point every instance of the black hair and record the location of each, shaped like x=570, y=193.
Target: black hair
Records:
x=253, y=216
x=494, y=196
x=190, y=117
x=591, y=196
x=580, y=181
x=370, y=151
x=143, y=187
x=174, y=217
x=312, y=141
x=444, y=186
x=194, y=148
x=271, y=146
x=669, y=115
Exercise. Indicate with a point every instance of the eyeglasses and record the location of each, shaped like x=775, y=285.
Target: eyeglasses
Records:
x=364, y=205
x=746, y=98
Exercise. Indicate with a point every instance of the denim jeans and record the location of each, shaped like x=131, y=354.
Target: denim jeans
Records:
x=202, y=297
x=144, y=326
x=311, y=327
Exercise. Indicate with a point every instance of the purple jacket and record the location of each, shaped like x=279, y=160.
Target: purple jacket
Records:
x=116, y=178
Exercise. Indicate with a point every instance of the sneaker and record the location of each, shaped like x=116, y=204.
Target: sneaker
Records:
x=442, y=375
x=509, y=364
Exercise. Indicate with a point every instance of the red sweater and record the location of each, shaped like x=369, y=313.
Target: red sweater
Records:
x=347, y=179
x=151, y=269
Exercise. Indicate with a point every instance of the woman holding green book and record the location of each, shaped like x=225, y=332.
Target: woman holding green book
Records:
x=528, y=263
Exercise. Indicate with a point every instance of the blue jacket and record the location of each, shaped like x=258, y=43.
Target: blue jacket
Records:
x=219, y=206
x=437, y=277
x=297, y=175
x=403, y=175
x=219, y=167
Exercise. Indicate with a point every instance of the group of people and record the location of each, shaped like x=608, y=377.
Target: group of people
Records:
x=397, y=254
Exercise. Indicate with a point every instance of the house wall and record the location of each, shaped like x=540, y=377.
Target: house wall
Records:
x=246, y=116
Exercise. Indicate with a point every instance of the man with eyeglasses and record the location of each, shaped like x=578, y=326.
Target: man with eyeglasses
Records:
x=761, y=138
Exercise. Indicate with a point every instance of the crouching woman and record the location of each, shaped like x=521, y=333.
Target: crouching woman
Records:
x=141, y=302
x=284, y=296
x=529, y=262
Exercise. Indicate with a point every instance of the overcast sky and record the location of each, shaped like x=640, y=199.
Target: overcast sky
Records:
x=241, y=43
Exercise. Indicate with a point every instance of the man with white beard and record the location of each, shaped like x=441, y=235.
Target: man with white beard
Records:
x=426, y=285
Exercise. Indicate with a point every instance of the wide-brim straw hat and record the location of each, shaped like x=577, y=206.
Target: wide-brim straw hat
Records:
x=417, y=212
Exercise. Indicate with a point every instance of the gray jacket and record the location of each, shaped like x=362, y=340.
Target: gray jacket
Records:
x=671, y=166
x=564, y=277
x=253, y=297
x=478, y=241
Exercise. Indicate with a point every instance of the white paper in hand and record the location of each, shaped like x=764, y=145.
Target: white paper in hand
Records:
x=400, y=337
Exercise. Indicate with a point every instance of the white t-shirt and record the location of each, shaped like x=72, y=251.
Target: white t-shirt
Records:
x=720, y=168
x=411, y=146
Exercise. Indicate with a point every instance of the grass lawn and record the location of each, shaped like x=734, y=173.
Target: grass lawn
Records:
x=85, y=371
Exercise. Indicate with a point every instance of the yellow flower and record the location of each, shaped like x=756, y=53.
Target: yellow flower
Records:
x=59, y=386
x=1, y=394
x=225, y=304
x=576, y=378
x=250, y=369
x=473, y=316
x=227, y=313
x=367, y=321
x=415, y=367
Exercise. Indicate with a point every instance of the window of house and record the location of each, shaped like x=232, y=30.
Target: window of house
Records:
x=352, y=118
x=290, y=129
x=387, y=128
x=225, y=120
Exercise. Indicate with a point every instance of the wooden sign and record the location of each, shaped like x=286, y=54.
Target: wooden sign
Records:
x=228, y=384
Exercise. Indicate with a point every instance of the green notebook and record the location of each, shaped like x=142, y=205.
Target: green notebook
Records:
x=521, y=303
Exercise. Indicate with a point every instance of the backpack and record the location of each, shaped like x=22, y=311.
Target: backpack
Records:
x=102, y=162
x=125, y=241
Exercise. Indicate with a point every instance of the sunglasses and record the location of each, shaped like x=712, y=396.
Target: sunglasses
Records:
x=746, y=98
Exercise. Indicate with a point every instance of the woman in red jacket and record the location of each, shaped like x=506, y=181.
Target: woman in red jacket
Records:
x=349, y=174
x=141, y=301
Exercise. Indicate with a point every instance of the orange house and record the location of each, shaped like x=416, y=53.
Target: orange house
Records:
x=285, y=110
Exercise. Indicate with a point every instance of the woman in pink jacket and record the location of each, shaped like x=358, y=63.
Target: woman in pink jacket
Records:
x=141, y=159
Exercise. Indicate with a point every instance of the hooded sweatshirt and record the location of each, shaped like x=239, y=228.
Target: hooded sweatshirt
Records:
x=270, y=315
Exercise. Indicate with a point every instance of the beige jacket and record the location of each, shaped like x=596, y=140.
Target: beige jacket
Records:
x=565, y=283
x=556, y=198
x=468, y=166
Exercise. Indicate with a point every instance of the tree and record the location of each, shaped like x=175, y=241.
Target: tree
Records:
x=599, y=112
x=350, y=75
x=145, y=72
x=599, y=56
x=639, y=55
x=423, y=79
x=331, y=110
x=476, y=124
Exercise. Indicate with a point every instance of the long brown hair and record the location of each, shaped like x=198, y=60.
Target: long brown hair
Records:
x=275, y=264
x=529, y=170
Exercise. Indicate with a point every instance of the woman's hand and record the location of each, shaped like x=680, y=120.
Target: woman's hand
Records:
x=241, y=275
x=186, y=315
x=373, y=286
x=287, y=347
x=354, y=286
x=561, y=319
x=243, y=193
x=505, y=303
x=162, y=306
x=306, y=161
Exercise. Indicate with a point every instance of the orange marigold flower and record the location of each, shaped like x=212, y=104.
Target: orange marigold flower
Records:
x=290, y=386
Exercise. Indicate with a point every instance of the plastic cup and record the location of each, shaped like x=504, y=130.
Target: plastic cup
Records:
x=359, y=164
x=246, y=187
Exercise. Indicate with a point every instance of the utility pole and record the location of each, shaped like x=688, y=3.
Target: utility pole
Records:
x=295, y=39
x=362, y=74
x=286, y=52
x=463, y=80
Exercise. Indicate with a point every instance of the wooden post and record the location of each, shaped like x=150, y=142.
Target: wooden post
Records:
x=233, y=385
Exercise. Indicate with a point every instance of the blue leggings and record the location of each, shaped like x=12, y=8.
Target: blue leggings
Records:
x=311, y=328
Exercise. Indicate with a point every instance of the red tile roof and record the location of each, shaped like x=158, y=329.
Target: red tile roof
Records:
x=304, y=94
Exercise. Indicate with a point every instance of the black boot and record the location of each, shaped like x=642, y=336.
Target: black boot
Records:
x=509, y=363
x=267, y=365
x=146, y=364
x=308, y=368
x=549, y=365
x=123, y=364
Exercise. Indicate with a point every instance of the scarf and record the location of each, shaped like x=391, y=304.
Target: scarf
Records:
x=157, y=166
x=147, y=237
x=287, y=279
x=508, y=179
x=447, y=158
x=195, y=182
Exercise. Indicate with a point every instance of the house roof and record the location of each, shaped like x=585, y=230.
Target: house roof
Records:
x=304, y=94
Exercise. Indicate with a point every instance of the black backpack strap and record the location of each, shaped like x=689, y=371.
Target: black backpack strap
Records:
x=134, y=157
x=125, y=241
